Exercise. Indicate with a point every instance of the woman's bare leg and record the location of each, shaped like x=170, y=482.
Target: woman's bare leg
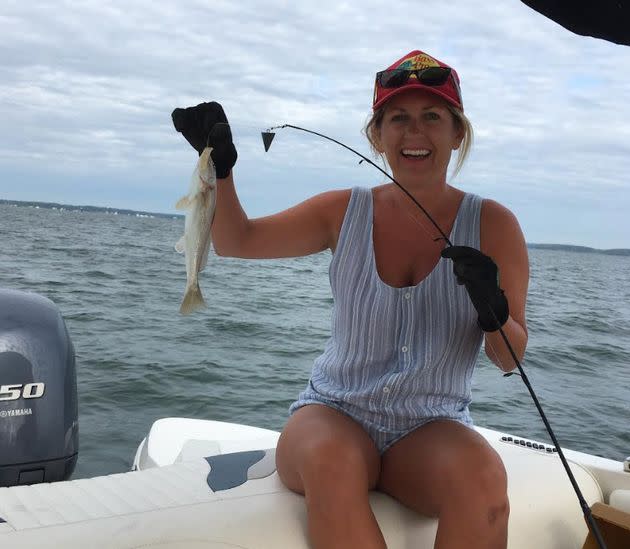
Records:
x=328, y=457
x=447, y=470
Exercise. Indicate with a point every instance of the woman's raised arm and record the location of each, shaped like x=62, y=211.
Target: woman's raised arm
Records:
x=307, y=228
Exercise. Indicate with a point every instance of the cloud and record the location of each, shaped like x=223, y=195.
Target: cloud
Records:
x=86, y=92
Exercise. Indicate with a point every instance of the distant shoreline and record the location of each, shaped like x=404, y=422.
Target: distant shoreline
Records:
x=75, y=208
x=136, y=213
x=580, y=249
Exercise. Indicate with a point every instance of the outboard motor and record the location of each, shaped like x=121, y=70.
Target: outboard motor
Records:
x=39, y=428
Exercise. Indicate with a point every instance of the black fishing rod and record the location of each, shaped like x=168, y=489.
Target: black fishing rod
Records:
x=268, y=136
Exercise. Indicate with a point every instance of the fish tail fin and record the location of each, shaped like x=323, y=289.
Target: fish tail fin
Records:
x=193, y=300
x=183, y=203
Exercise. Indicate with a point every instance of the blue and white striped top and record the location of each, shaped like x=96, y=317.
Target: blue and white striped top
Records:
x=397, y=355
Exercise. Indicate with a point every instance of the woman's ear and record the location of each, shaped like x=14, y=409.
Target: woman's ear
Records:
x=377, y=141
x=459, y=135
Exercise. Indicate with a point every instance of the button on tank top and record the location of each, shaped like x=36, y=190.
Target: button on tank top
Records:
x=397, y=355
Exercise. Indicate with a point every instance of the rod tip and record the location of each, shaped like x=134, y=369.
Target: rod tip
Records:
x=267, y=138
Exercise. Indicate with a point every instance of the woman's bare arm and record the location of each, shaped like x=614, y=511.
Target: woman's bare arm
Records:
x=502, y=240
x=309, y=227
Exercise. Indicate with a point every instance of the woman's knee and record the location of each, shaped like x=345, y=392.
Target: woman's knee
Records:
x=323, y=448
x=494, y=483
x=484, y=486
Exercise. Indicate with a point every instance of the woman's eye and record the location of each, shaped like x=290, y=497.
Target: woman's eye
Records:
x=431, y=116
x=399, y=118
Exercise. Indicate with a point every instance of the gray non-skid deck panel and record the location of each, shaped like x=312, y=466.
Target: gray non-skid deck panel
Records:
x=231, y=470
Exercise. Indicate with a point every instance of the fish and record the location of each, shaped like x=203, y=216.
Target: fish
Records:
x=199, y=203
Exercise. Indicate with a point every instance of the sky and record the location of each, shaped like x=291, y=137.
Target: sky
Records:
x=87, y=89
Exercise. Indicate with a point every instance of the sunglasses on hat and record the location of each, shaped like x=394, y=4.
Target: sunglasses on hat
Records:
x=429, y=76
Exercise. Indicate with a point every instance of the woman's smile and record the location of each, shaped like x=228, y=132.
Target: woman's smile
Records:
x=418, y=132
x=415, y=154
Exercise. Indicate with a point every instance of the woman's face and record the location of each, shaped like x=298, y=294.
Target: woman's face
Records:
x=417, y=135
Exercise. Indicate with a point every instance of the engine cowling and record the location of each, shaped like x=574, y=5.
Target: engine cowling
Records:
x=39, y=428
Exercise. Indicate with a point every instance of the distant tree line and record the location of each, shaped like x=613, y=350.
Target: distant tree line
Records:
x=71, y=207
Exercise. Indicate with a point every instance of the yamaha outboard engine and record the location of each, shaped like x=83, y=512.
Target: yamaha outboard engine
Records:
x=39, y=429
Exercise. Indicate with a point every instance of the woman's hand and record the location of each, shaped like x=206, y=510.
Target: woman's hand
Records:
x=480, y=275
x=206, y=125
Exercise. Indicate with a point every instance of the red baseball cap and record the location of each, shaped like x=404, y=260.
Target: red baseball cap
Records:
x=415, y=60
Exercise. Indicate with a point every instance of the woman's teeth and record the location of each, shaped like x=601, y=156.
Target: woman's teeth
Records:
x=416, y=153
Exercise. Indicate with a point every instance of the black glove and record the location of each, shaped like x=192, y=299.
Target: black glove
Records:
x=480, y=275
x=207, y=126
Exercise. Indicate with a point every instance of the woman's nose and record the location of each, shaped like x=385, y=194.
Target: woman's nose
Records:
x=413, y=126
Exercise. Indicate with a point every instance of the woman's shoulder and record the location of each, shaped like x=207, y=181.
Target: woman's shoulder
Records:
x=331, y=208
x=335, y=205
x=333, y=201
x=499, y=228
x=496, y=215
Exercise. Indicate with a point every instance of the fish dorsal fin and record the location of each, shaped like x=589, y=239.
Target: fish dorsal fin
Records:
x=180, y=247
x=183, y=203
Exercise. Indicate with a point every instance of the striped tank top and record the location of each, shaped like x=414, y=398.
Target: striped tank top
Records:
x=397, y=356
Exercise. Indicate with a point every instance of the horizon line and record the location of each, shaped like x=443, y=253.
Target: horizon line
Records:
x=126, y=211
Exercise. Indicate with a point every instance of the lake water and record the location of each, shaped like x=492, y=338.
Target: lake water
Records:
x=118, y=283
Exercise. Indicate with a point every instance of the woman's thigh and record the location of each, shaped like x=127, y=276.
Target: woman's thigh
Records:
x=439, y=462
x=319, y=442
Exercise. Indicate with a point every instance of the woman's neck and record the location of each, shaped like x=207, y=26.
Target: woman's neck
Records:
x=432, y=196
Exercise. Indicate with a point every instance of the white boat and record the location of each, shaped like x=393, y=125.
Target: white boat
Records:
x=208, y=484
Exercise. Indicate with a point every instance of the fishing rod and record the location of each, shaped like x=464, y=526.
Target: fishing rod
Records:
x=268, y=136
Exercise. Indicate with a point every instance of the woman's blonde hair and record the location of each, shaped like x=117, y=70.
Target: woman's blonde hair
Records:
x=373, y=127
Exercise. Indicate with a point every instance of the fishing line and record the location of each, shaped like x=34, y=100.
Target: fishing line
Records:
x=268, y=136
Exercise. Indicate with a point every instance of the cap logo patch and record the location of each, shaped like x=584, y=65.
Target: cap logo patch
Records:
x=420, y=61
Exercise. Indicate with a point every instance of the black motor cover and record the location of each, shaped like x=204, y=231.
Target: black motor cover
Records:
x=39, y=429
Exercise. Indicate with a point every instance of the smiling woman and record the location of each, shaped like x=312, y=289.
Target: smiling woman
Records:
x=395, y=377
